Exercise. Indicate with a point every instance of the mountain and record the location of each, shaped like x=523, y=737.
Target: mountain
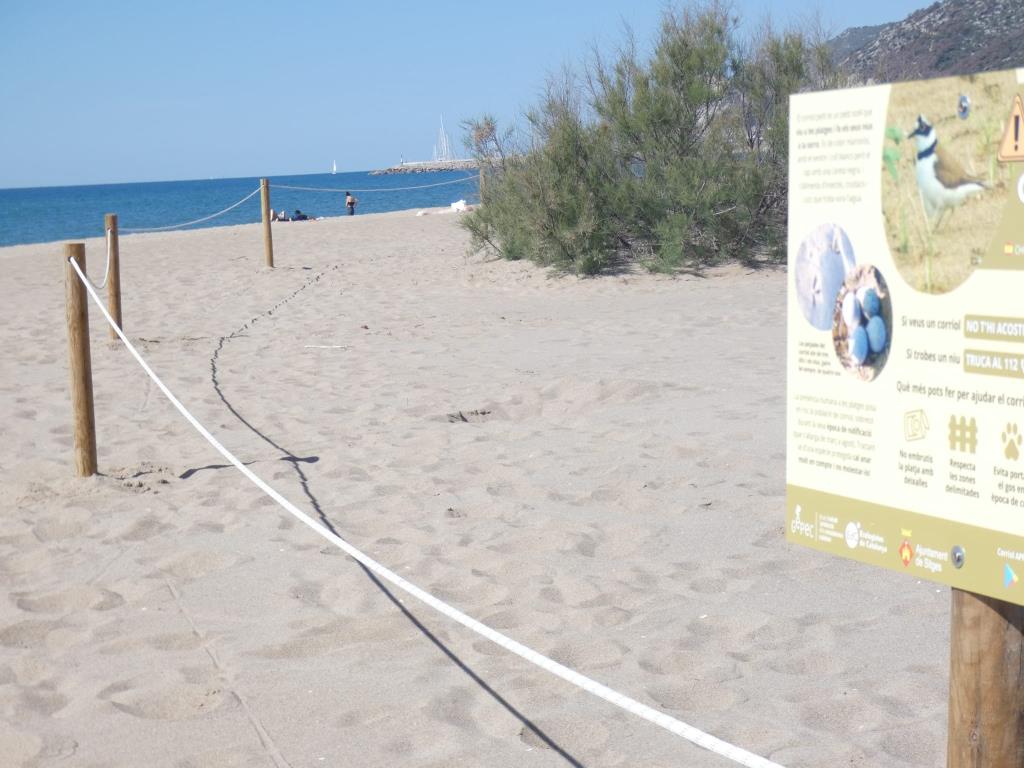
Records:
x=951, y=37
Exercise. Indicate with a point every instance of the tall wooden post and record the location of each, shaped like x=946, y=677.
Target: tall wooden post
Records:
x=77, y=306
x=268, y=238
x=986, y=683
x=113, y=272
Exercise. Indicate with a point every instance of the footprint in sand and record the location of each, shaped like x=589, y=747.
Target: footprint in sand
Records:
x=70, y=523
x=18, y=747
x=79, y=597
x=588, y=732
x=31, y=633
x=194, y=565
x=41, y=700
x=146, y=528
x=166, y=696
x=695, y=696
x=592, y=655
x=175, y=641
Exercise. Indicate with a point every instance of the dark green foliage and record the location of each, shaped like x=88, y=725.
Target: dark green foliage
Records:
x=678, y=161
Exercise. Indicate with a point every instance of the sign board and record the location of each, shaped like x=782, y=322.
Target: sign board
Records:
x=905, y=335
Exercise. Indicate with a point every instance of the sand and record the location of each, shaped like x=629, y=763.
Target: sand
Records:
x=594, y=467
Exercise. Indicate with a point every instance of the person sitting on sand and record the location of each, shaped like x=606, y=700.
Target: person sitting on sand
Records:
x=278, y=215
x=299, y=216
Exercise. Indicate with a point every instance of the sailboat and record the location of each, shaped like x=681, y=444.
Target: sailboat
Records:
x=334, y=167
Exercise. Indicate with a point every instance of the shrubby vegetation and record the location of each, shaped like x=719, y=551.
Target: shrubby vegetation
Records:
x=678, y=160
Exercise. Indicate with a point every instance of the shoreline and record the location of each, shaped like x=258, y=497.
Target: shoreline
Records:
x=122, y=236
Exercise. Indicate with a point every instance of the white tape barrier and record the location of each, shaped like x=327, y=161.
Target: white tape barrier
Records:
x=695, y=735
x=378, y=189
x=194, y=221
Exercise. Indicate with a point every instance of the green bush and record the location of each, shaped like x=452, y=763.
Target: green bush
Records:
x=677, y=161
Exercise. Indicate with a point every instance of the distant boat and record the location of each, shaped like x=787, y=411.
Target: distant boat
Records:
x=334, y=167
x=443, y=149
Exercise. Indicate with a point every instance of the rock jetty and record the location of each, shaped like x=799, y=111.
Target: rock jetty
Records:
x=428, y=166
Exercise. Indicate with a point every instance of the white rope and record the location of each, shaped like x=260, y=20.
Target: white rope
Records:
x=106, y=270
x=671, y=724
x=378, y=189
x=195, y=221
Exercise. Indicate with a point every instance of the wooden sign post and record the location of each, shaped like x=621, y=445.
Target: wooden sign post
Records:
x=77, y=305
x=268, y=239
x=113, y=272
x=986, y=683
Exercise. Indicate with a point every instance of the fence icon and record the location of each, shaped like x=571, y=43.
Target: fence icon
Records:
x=963, y=434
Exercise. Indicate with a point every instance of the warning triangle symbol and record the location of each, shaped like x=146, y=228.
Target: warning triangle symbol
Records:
x=1012, y=147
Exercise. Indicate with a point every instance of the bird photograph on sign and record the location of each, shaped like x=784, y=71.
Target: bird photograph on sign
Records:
x=944, y=191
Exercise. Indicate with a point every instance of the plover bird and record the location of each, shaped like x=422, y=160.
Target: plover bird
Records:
x=943, y=183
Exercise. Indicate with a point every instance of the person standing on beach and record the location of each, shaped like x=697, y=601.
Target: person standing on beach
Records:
x=350, y=203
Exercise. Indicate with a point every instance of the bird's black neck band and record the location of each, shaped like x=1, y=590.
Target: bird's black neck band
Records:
x=928, y=152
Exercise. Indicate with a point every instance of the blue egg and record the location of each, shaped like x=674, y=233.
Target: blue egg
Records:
x=858, y=341
x=871, y=303
x=851, y=310
x=877, y=335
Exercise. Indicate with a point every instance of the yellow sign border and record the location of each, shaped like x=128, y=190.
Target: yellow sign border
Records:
x=879, y=533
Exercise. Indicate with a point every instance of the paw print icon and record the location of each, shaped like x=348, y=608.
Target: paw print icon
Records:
x=1011, y=442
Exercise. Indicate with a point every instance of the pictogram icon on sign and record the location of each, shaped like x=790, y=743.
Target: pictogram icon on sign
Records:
x=1011, y=148
x=963, y=434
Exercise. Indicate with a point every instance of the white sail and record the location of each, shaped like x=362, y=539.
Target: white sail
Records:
x=443, y=149
x=334, y=167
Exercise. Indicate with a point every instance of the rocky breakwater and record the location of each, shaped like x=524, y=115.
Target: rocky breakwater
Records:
x=428, y=166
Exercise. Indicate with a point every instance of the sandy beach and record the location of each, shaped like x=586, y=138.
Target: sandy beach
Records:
x=594, y=467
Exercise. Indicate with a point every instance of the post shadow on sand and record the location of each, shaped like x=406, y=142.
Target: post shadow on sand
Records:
x=295, y=461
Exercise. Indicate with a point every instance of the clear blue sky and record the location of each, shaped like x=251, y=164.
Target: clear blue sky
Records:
x=136, y=91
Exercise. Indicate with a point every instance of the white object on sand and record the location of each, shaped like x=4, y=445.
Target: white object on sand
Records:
x=459, y=206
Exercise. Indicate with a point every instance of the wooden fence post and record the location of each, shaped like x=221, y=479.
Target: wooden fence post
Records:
x=268, y=239
x=986, y=683
x=113, y=272
x=77, y=309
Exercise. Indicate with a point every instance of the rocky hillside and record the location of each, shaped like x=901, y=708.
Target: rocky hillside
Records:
x=951, y=37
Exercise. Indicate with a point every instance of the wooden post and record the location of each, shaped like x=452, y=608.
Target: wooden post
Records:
x=986, y=683
x=113, y=272
x=77, y=307
x=481, y=183
x=268, y=239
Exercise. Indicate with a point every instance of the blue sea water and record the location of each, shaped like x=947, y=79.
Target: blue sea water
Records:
x=48, y=214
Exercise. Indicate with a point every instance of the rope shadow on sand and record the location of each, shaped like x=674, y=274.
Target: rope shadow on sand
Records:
x=295, y=461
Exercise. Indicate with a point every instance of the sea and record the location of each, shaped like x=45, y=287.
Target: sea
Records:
x=51, y=214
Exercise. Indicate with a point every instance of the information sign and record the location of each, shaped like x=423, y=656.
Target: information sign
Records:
x=905, y=353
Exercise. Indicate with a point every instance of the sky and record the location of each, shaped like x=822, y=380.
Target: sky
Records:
x=134, y=91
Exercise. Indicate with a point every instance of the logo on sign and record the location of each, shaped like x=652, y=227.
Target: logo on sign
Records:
x=852, y=535
x=906, y=553
x=1009, y=577
x=798, y=527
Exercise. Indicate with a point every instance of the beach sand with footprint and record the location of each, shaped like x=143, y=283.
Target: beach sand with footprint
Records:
x=614, y=501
